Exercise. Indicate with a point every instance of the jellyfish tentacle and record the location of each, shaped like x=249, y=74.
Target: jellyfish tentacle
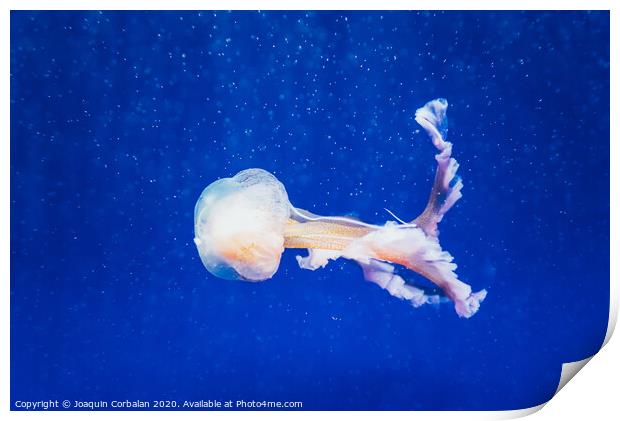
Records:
x=413, y=245
x=382, y=274
x=324, y=233
x=447, y=185
x=317, y=258
x=409, y=246
x=378, y=272
x=446, y=191
x=302, y=215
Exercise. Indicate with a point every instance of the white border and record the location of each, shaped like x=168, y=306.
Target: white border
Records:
x=593, y=396
x=309, y=5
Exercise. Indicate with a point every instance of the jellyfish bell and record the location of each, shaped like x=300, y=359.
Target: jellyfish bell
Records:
x=239, y=225
x=243, y=224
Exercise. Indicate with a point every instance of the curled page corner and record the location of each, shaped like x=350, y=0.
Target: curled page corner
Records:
x=613, y=311
x=569, y=370
x=519, y=413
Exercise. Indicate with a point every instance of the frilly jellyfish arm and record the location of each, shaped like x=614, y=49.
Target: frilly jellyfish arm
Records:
x=415, y=245
x=446, y=191
x=447, y=186
x=382, y=274
x=243, y=224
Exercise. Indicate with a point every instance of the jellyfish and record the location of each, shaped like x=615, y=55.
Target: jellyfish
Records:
x=244, y=223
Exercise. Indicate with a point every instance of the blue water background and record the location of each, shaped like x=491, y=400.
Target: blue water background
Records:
x=120, y=119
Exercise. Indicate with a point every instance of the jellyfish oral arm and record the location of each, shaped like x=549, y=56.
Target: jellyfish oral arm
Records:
x=446, y=191
x=376, y=249
x=414, y=245
x=326, y=234
x=382, y=274
x=447, y=186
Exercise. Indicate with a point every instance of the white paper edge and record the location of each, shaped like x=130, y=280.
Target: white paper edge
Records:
x=569, y=369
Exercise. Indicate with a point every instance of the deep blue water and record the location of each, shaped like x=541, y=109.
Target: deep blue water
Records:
x=120, y=119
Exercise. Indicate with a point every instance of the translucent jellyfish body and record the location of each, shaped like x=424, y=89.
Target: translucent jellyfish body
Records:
x=243, y=224
x=239, y=225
